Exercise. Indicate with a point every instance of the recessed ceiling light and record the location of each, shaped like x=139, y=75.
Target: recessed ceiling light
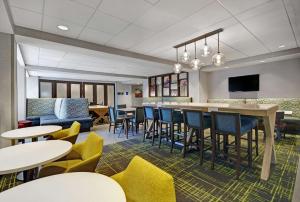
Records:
x=281, y=46
x=262, y=61
x=63, y=27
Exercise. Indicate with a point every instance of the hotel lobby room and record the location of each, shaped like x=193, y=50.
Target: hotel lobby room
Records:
x=149, y=100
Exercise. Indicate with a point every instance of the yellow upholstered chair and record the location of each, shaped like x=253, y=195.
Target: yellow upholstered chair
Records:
x=84, y=157
x=144, y=182
x=69, y=134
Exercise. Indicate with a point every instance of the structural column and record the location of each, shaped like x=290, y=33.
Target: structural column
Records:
x=8, y=117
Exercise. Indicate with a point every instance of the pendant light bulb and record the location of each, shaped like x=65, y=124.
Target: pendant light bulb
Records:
x=195, y=63
x=177, y=66
x=185, y=56
x=219, y=58
x=206, y=49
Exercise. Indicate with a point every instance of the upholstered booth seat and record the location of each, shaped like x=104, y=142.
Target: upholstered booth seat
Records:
x=59, y=111
x=84, y=157
x=47, y=118
x=85, y=122
x=35, y=120
x=144, y=182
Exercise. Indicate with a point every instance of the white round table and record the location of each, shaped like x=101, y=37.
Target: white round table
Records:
x=31, y=155
x=68, y=187
x=30, y=132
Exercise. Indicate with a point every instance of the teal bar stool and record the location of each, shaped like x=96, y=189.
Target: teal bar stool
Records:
x=169, y=118
x=151, y=116
x=196, y=122
x=226, y=124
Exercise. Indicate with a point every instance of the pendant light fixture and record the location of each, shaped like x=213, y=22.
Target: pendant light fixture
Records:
x=177, y=67
x=185, y=56
x=218, y=59
x=195, y=64
x=206, y=49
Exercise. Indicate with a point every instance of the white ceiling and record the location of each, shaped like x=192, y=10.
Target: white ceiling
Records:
x=153, y=27
x=49, y=54
x=82, y=77
x=5, y=26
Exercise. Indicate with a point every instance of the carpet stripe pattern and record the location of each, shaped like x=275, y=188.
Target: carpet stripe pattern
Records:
x=194, y=182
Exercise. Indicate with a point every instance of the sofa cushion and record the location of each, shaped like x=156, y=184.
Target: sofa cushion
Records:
x=74, y=108
x=228, y=101
x=57, y=106
x=286, y=104
x=35, y=120
x=40, y=106
x=62, y=122
x=167, y=99
x=47, y=117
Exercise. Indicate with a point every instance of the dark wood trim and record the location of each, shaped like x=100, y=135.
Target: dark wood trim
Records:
x=94, y=94
x=68, y=89
x=54, y=91
x=162, y=85
x=149, y=84
x=82, y=89
x=199, y=37
x=105, y=95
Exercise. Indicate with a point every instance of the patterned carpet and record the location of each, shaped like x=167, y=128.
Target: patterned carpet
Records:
x=199, y=183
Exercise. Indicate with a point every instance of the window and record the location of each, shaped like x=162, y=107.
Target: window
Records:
x=169, y=85
x=111, y=95
x=75, y=90
x=89, y=92
x=61, y=90
x=100, y=94
x=96, y=93
x=46, y=90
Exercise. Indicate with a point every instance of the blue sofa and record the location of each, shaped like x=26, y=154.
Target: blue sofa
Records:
x=59, y=111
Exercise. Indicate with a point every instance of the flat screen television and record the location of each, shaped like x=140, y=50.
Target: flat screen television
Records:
x=244, y=83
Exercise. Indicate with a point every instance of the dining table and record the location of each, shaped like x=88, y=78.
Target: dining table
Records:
x=266, y=111
x=67, y=187
x=100, y=111
x=128, y=114
x=30, y=132
x=25, y=157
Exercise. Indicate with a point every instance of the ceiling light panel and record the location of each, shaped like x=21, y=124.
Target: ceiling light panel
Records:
x=128, y=10
x=68, y=11
x=270, y=24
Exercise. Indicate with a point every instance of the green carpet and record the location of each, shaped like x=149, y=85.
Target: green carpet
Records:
x=199, y=183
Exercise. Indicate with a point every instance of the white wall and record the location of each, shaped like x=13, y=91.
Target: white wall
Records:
x=8, y=107
x=198, y=86
x=21, y=90
x=277, y=80
x=145, y=88
x=32, y=87
x=123, y=99
x=194, y=86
